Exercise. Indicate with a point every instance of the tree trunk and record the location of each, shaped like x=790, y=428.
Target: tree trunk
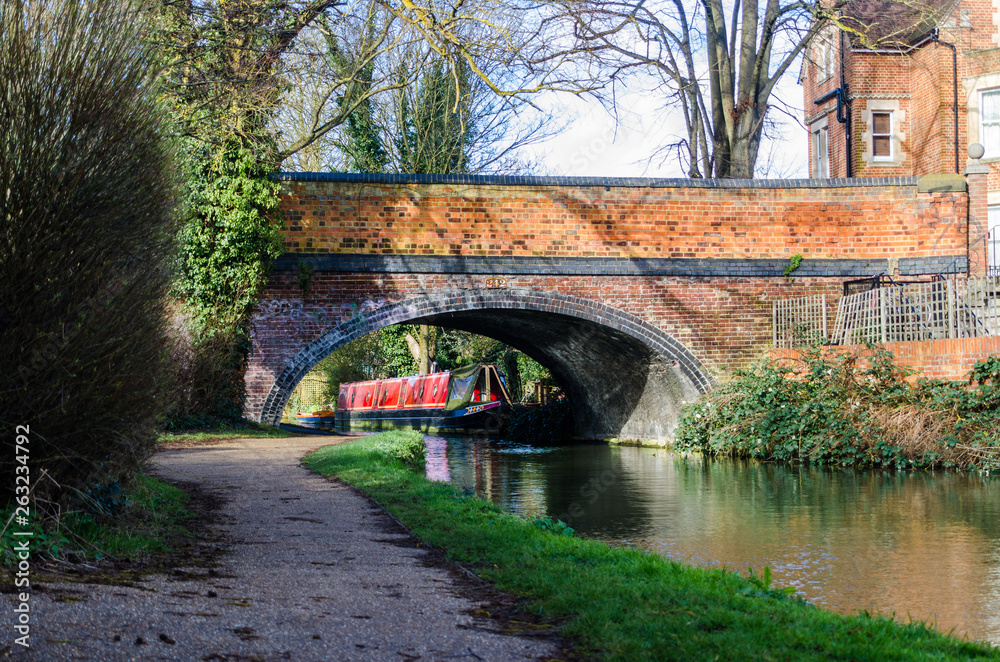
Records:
x=422, y=348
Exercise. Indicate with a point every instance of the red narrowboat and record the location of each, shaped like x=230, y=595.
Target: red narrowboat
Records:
x=467, y=399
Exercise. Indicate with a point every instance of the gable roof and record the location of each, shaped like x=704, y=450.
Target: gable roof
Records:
x=893, y=24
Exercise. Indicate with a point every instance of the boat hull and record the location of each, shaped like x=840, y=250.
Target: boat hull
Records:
x=487, y=417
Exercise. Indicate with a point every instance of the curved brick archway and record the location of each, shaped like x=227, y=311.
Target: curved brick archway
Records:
x=625, y=377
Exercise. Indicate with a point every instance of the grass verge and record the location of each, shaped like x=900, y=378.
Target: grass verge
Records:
x=131, y=525
x=248, y=430
x=622, y=604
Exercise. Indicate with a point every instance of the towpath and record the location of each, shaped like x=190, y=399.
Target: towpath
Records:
x=311, y=570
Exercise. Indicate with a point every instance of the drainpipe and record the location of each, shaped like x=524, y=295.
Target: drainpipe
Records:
x=843, y=107
x=954, y=77
x=847, y=99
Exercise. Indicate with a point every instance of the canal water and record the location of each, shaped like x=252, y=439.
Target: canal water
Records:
x=921, y=545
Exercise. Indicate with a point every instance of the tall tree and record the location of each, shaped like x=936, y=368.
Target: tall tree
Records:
x=435, y=129
x=718, y=68
x=717, y=62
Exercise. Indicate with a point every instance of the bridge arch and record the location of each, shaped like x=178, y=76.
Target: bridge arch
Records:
x=625, y=377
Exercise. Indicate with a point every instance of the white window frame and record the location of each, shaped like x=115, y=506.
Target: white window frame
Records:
x=993, y=151
x=993, y=243
x=891, y=135
x=819, y=133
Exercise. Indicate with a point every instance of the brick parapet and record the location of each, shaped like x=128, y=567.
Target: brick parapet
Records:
x=693, y=219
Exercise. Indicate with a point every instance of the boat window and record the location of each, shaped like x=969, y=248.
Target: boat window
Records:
x=435, y=393
x=421, y=396
x=460, y=388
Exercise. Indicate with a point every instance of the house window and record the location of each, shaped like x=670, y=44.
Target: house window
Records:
x=993, y=242
x=827, y=69
x=881, y=136
x=989, y=122
x=821, y=152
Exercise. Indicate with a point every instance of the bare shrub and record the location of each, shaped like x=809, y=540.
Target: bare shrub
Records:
x=86, y=239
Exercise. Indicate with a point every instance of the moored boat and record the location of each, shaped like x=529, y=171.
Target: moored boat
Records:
x=467, y=399
x=319, y=417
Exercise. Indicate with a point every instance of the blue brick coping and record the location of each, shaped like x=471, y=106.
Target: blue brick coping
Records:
x=630, y=182
x=613, y=266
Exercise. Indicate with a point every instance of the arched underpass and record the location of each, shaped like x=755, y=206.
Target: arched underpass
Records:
x=624, y=377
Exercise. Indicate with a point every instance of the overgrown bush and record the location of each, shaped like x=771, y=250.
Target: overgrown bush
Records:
x=551, y=423
x=86, y=239
x=830, y=409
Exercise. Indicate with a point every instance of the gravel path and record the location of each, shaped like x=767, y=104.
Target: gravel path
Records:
x=312, y=570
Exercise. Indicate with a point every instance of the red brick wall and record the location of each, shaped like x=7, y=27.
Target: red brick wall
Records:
x=679, y=222
x=922, y=80
x=934, y=359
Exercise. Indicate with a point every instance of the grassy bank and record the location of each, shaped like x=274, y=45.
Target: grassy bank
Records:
x=128, y=525
x=208, y=434
x=621, y=604
x=850, y=410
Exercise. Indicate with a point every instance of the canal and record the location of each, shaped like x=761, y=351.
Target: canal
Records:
x=922, y=545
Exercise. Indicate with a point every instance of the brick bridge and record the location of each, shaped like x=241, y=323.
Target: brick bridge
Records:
x=637, y=293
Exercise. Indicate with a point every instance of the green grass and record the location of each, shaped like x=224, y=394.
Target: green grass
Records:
x=255, y=431
x=149, y=515
x=625, y=604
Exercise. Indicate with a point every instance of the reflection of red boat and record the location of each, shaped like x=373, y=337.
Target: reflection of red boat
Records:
x=469, y=398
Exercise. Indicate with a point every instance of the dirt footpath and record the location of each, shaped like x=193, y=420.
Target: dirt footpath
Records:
x=312, y=570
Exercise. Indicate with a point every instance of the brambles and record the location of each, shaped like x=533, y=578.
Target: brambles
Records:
x=832, y=408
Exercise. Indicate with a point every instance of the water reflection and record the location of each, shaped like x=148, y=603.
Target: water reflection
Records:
x=922, y=545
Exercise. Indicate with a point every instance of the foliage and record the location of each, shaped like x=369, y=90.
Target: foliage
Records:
x=142, y=519
x=232, y=236
x=87, y=225
x=227, y=246
x=551, y=423
x=828, y=409
x=626, y=604
x=556, y=526
x=793, y=264
x=435, y=129
x=361, y=143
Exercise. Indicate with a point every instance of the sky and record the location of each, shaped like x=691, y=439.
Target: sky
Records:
x=593, y=146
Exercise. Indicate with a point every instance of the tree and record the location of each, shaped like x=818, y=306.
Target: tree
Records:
x=720, y=74
x=228, y=66
x=434, y=127
x=719, y=63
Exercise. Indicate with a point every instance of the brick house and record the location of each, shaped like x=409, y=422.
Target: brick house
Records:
x=910, y=99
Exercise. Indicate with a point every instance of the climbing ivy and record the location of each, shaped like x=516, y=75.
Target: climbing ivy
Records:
x=232, y=235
